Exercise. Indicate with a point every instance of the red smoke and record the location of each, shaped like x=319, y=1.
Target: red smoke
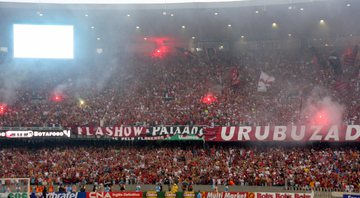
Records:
x=2, y=109
x=162, y=46
x=208, y=99
x=321, y=118
x=57, y=97
x=160, y=52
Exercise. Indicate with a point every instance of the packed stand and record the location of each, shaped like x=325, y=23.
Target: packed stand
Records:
x=168, y=91
x=301, y=167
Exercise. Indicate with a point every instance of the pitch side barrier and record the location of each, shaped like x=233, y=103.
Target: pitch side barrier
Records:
x=14, y=195
x=351, y=196
x=168, y=194
x=58, y=195
x=153, y=194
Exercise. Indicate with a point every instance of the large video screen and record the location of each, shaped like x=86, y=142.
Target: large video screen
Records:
x=43, y=41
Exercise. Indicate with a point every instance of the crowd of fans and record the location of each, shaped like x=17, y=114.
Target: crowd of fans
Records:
x=169, y=91
x=303, y=167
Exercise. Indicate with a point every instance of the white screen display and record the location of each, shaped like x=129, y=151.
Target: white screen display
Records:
x=43, y=41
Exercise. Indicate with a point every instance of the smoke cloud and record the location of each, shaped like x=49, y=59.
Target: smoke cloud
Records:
x=10, y=81
x=321, y=109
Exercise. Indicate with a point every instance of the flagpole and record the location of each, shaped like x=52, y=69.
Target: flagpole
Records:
x=300, y=108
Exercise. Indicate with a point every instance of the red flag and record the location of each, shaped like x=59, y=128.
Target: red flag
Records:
x=235, y=76
x=342, y=88
x=349, y=56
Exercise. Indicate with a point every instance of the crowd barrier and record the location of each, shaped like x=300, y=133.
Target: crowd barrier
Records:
x=154, y=194
x=186, y=194
x=257, y=193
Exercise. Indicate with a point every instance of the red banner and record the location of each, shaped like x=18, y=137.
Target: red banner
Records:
x=114, y=195
x=292, y=133
x=301, y=133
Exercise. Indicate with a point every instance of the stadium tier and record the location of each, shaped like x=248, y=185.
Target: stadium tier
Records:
x=307, y=168
x=237, y=99
x=179, y=91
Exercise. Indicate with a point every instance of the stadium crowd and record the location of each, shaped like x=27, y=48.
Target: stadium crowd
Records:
x=169, y=91
x=302, y=167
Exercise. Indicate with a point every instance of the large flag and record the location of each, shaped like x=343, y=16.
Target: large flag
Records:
x=342, y=88
x=349, y=56
x=265, y=82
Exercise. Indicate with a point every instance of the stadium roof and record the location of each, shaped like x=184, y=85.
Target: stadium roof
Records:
x=155, y=3
x=151, y=1
x=116, y=25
